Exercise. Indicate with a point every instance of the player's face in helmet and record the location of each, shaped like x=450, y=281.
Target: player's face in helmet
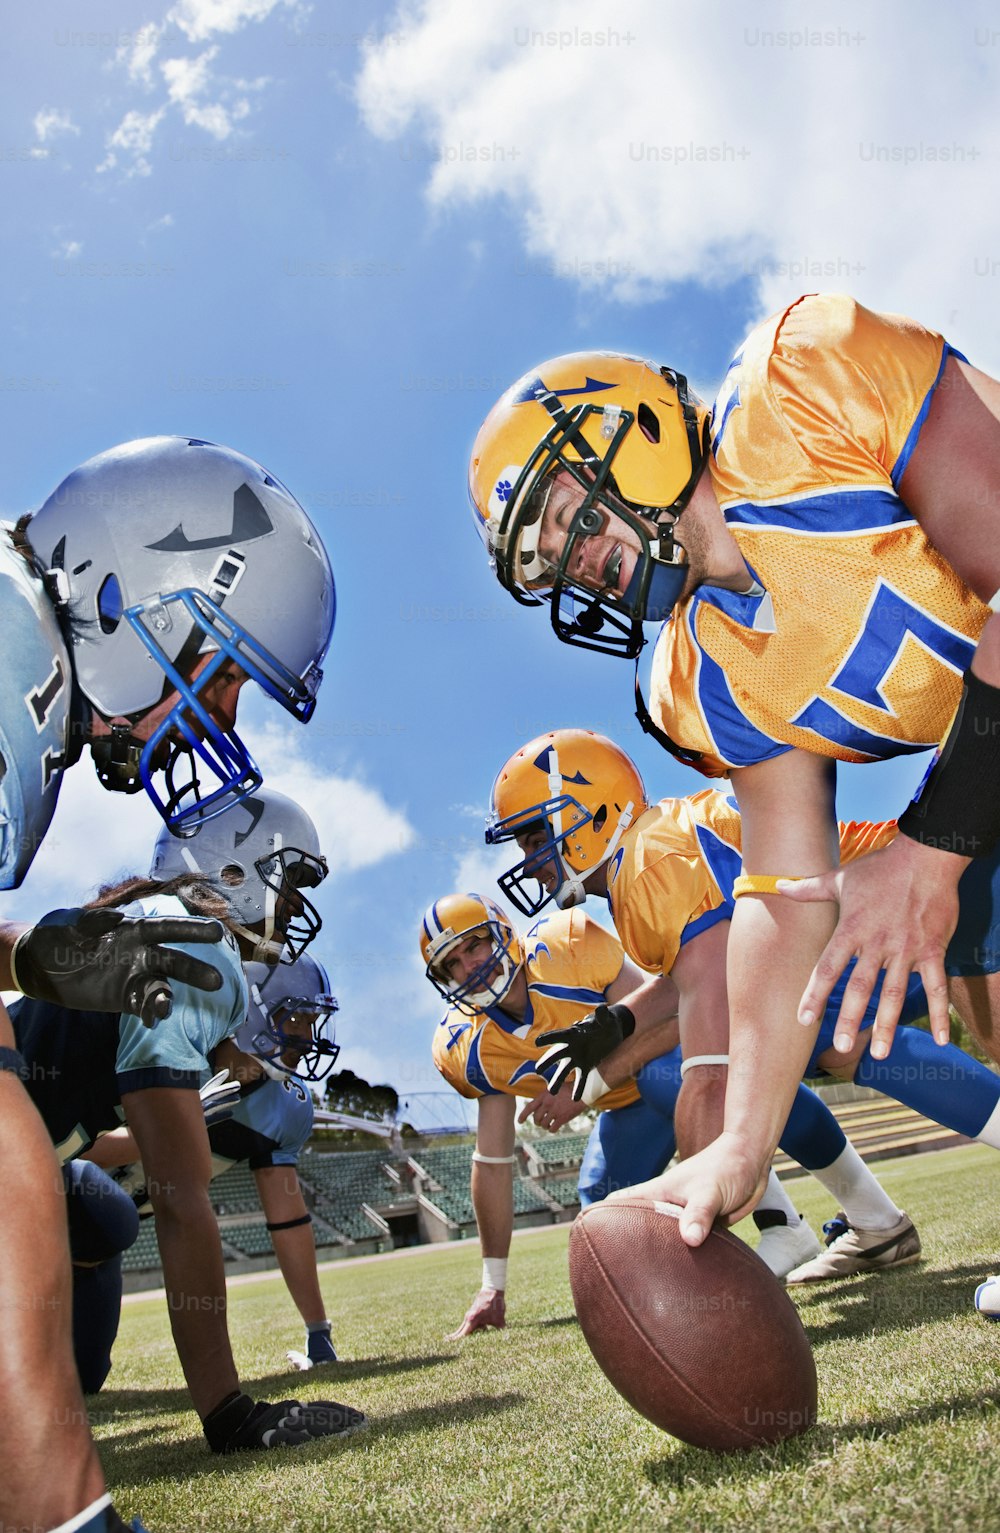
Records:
x=604, y=561
x=290, y=1022
x=471, y=950
x=181, y=569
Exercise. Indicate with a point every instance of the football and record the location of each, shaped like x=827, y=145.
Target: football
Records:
x=702, y=1340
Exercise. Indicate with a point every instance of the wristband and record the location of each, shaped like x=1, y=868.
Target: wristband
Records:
x=760, y=883
x=291, y=1224
x=494, y=1160
x=595, y=1088
x=957, y=808
x=702, y=1059
x=11, y=1060
x=495, y=1272
x=87, y=1515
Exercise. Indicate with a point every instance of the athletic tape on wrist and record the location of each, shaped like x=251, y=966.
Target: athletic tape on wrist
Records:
x=494, y=1160
x=703, y=1059
x=760, y=883
x=495, y=1272
x=956, y=808
x=595, y=1088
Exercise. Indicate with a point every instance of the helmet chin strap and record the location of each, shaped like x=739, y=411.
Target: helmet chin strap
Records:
x=266, y=948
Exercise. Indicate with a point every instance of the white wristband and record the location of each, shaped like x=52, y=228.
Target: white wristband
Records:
x=495, y=1272
x=595, y=1088
x=493, y=1160
x=703, y=1059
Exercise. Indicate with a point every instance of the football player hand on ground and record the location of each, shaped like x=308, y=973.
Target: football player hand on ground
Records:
x=241, y=1423
x=101, y=960
x=487, y=1309
x=721, y=1181
x=319, y=1350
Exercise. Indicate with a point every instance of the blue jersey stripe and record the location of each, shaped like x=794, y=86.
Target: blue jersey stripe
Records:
x=737, y=741
x=569, y=993
x=725, y=862
x=844, y=511
x=703, y=922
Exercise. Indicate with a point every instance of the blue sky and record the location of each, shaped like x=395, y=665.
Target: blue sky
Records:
x=241, y=220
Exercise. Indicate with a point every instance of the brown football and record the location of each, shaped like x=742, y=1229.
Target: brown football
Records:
x=702, y=1340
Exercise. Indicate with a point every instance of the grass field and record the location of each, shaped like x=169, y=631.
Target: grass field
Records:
x=520, y=1430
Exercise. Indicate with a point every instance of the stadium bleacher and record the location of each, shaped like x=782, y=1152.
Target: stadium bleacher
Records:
x=252, y=1238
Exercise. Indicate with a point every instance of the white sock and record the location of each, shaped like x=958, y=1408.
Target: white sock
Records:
x=865, y=1202
x=990, y=1131
x=775, y=1200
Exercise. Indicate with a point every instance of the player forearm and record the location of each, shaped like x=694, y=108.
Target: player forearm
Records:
x=116, y=1148
x=493, y=1202
x=769, y=962
x=629, y=1057
x=195, y=1280
x=652, y=999
x=42, y=1481
x=296, y=1253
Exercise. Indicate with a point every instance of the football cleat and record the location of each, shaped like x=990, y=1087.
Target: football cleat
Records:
x=858, y=1251
x=567, y=798
x=987, y=1299
x=783, y=1247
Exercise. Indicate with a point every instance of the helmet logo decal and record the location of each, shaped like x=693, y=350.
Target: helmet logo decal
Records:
x=503, y=489
x=535, y=388
x=250, y=521
x=255, y=808
x=543, y=764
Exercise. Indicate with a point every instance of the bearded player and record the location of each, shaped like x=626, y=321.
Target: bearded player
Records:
x=504, y=990
x=821, y=549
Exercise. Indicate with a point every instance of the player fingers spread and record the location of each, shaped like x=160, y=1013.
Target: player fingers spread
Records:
x=487, y=1310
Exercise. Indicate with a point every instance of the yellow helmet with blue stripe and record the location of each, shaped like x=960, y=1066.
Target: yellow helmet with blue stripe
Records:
x=445, y=925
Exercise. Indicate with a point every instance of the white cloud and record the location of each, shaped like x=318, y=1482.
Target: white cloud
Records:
x=138, y=54
x=68, y=250
x=799, y=145
x=202, y=19
x=133, y=137
x=50, y=122
x=357, y=828
x=188, y=81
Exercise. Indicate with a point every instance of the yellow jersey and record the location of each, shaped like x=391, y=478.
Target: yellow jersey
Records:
x=570, y=960
x=854, y=641
x=673, y=875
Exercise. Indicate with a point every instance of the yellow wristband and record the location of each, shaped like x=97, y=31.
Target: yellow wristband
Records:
x=761, y=883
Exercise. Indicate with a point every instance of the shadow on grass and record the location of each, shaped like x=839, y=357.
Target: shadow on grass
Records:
x=128, y=1462
x=702, y=1467
x=350, y=1371
x=542, y=1325
x=884, y=1302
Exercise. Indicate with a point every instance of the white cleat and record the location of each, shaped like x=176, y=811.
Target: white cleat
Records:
x=783, y=1247
x=988, y=1299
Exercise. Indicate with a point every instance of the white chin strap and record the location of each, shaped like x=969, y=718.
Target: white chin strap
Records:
x=266, y=947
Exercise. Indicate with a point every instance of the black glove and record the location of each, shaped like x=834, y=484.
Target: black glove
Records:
x=583, y=1046
x=101, y=960
x=240, y=1422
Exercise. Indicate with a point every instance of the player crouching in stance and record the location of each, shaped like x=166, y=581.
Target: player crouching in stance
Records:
x=86, y=1073
x=503, y=991
x=112, y=598
x=577, y=807
x=285, y=1043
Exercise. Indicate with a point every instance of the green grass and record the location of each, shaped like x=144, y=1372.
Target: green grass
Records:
x=519, y=1430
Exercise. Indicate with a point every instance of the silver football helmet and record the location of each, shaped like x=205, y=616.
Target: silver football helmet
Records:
x=282, y=1003
x=262, y=854
x=159, y=553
